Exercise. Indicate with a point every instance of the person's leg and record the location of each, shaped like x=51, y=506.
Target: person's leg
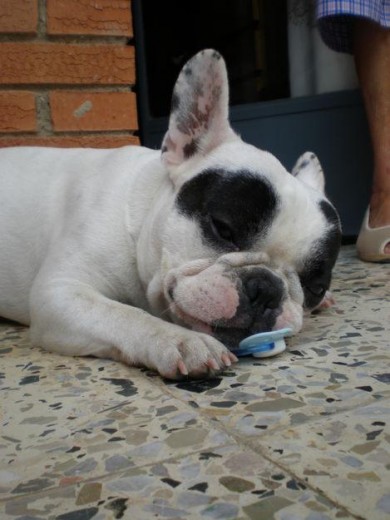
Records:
x=372, y=57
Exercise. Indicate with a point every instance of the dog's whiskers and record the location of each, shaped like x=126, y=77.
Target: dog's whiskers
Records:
x=166, y=311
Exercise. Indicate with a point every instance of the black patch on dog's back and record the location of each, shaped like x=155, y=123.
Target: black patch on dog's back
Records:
x=232, y=207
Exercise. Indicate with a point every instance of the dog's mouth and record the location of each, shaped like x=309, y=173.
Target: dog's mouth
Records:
x=190, y=321
x=228, y=334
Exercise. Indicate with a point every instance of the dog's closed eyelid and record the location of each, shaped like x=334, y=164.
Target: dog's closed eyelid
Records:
x=222, y=229
x=317, y=289
x=224, y=233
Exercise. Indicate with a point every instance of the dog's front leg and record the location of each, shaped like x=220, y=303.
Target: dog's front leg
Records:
x=72, y=318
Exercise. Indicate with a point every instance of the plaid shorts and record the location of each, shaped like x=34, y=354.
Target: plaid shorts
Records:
x=336, y=17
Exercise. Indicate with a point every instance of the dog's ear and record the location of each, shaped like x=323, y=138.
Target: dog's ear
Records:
x=199, y=114
x=308, y=170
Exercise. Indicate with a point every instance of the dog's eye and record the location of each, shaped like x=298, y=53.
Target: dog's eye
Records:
x=222, y=230
x=317, y=289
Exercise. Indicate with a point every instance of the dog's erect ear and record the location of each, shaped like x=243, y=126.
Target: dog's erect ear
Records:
x=199, y=113
x=308, y=170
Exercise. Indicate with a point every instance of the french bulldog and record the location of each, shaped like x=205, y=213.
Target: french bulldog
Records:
x=164, y=259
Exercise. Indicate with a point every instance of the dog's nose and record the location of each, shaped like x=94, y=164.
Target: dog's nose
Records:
x=264, y=290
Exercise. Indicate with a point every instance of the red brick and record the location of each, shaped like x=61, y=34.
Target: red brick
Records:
x=75, y=111
x=17, y=111
x=92, y=17
x=18, y=16
x=66, y=64
x=83, y=141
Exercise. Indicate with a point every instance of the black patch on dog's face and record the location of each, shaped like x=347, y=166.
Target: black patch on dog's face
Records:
x=330, y=213
x=232, y=208
x=316, y=274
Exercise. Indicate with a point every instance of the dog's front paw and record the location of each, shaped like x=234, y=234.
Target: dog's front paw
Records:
x=192, y=354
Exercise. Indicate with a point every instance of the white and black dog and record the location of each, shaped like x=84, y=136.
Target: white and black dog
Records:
x=164, y=259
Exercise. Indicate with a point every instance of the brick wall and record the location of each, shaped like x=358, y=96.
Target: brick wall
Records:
x=67, y=73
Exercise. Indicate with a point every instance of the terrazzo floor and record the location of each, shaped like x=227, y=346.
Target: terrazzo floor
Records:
x=304, y=435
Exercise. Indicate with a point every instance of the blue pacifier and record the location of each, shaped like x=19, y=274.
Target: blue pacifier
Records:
x=264, y=344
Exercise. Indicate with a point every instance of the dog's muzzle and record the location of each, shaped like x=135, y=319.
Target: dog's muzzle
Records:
x=232, y=302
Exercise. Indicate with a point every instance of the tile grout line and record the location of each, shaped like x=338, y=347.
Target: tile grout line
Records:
x=111, y=473
x=234, y=442
x=246, y=442
x=280, y=428
x=237, y=440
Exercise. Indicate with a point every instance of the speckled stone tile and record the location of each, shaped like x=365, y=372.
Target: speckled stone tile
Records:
x=347, y=456
x=72, y=419
x=301, y=436
x=223, y=483
x=61, y=441
x=290, y=390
